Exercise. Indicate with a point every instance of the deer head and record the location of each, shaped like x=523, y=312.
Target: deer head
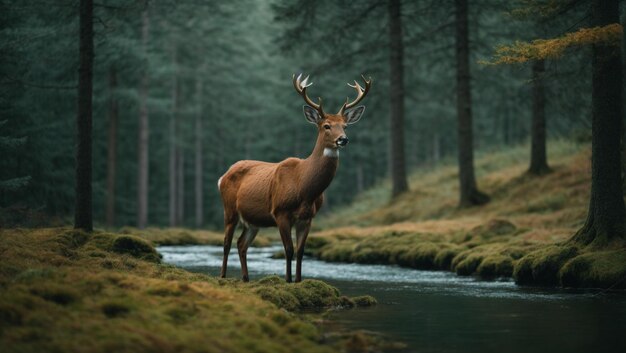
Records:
x=332, y=126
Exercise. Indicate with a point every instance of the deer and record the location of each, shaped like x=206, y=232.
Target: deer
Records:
x=287, y=194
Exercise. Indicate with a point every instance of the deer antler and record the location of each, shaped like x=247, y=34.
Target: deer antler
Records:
x=301, y=86
x=361, y=93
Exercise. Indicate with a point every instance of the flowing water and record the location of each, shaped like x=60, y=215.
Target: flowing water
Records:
x=435, y=311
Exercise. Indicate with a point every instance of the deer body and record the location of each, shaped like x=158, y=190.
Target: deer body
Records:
x=287, y=194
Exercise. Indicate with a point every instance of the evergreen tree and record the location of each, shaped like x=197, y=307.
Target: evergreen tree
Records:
x=83, y=205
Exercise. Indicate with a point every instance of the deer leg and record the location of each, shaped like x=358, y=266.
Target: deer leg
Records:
x=244, y=241
x=302, y=232
x=284, y=227
x=229, y=229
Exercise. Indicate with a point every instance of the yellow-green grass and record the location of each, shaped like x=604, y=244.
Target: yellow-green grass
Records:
x=67, y=291
x=184, y=236
x=522, y=232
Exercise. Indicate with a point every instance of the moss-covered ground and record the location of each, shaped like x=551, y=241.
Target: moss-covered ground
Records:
x=185, y=236
x=522, y=232
x=67, y=291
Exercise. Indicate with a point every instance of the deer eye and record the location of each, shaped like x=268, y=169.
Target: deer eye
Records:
x=326, y=126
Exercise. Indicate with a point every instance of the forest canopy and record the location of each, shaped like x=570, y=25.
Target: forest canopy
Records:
x=183, y=89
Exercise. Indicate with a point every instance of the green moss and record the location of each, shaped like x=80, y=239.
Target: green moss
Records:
x=115, y=308
x=421, y=256
x=10, y=314
x=73, y=239
x=468, y=265
x=548, y=203
x=493, y=228
x=601, y=269
x=370, y=256
x=314, y=243
x=56, y=293
x=364, y=300
x=34, y=274
x=495, y=266
x=280, y=298
x=443, y=259
x=541, y=267
x=341, y=251
x=136, y=247
x=307, y=295
x=141, y=306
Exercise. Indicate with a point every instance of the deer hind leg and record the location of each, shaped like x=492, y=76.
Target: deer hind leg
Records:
x=302, y=232
x=230, y=223
x=284, y=227
x=244, y=241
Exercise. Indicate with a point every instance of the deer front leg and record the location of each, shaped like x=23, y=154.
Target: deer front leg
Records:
x=244, y=241
x=302, y=232
x=229, y=230
x=284, y=227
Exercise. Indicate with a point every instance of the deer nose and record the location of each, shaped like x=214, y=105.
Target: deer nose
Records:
x=342, y=141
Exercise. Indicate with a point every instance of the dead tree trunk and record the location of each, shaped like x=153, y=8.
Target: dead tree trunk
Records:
x=83, y=202
x=606, y=218
x=144, y=132
x=111, y=149
x=470, y=195
x=396, y=90
x=538, y=155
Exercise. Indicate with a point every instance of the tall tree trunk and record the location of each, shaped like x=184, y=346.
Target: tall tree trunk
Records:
x=83, y=203
x=180, y=187
x=396, y=91
x=470, y=195
x=538, y=156
x=199, y=175
x=111, y=149
x=606, y=219
x=360, y=177
x=142, y=175
x=172, y=154
x=436, y=148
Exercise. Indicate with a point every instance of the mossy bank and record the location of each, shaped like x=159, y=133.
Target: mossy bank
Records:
x=67, y=291
x=523, y=232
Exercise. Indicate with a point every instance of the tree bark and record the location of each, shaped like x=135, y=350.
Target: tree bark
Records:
x=83, y=202
x=199, y=175
x=470, y=195
x=172, y=152
x=606, y=218
x=111, y=149
x=396, y=91
x=142, y=175
x=538, y=156
x=180, y=187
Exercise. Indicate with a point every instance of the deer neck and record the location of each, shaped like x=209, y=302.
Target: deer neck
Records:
x=319, y=169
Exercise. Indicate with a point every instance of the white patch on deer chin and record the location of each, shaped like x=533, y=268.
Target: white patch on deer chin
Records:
x=331, y=152
x=219, y=183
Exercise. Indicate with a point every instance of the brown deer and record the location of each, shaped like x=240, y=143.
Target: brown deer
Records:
x=289, y=193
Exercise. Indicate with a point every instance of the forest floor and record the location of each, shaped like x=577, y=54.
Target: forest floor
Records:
x=522, y=232
x=67, y=291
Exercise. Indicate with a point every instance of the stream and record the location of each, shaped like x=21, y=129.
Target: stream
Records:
x=437, y=311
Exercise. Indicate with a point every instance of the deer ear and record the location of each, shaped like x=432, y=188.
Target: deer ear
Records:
x=311, y=115
x=354, y=115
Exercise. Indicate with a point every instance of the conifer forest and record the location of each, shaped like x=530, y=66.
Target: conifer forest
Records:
x=463, y=192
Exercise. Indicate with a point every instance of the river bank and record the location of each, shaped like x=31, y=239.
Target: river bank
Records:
x=522, y=233
x=69, y=291
x=438, y=311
